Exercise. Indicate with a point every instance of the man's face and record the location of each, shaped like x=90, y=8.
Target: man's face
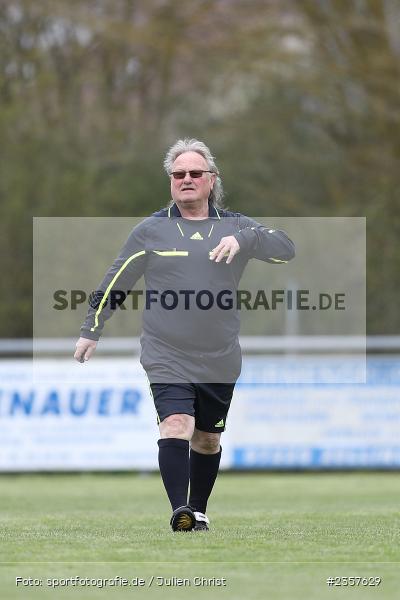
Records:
x=191, y=190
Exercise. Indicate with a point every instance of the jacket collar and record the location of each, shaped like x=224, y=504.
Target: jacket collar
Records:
x=173, y=211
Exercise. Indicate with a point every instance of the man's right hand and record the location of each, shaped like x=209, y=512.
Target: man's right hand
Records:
x=84, y=349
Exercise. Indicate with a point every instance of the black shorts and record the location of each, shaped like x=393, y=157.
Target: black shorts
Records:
x=208, y=403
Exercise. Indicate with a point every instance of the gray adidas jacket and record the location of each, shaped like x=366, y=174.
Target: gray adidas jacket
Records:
x=189, y=331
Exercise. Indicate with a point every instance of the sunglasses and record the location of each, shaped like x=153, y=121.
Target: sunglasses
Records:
x=195, y=174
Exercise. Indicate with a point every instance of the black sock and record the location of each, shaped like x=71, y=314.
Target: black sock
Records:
x=203, y=473
x=173, y=458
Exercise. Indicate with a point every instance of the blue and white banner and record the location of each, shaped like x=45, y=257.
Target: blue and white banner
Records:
x=60, y=415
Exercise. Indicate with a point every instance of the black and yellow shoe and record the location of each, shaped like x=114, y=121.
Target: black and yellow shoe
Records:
x=183, y=519
x=202, y=521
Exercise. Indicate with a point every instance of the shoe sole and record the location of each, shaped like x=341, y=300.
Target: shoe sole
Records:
x=201, y=528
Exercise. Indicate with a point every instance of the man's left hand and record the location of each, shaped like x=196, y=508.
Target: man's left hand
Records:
x=228, y=246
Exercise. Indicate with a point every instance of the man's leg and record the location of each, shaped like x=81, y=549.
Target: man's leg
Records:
x=173, y=456
x=205, y=456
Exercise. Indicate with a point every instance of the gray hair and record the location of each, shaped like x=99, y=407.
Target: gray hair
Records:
x=193, y=145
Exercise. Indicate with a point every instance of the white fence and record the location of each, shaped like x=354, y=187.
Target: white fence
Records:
x=267, y=344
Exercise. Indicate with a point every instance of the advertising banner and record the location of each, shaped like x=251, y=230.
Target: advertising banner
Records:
x=61, y=415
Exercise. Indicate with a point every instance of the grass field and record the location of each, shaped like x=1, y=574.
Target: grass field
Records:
x=275, y=536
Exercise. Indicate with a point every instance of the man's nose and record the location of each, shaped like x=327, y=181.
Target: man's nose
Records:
x=187, y=178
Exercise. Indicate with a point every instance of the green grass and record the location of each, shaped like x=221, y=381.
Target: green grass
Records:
x=275, y=536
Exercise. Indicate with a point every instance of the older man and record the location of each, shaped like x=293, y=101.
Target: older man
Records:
x=192, y=255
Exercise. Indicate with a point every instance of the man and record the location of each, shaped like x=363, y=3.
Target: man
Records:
x=192, y=255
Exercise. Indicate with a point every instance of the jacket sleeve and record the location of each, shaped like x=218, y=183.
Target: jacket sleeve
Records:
x=125, y=271
x=265, y=243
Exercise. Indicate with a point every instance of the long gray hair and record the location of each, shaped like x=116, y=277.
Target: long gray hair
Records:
x=193, y=145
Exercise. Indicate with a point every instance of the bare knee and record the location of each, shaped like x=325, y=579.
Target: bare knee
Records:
x=204, y=442
x=177, y=426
